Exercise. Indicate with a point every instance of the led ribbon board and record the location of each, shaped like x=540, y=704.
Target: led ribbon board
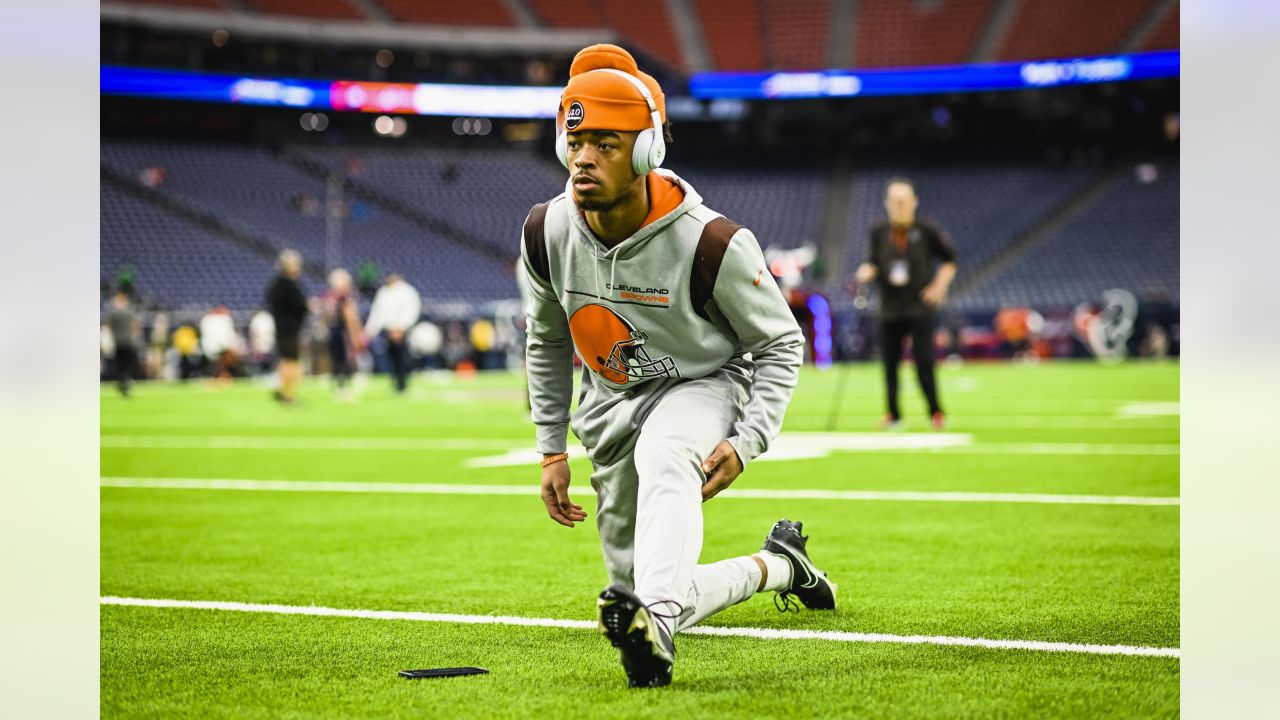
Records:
x=518, y=101
x=512, y=101
x=935, y=79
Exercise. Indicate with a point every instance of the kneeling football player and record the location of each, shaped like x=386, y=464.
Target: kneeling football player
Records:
x=691, y=355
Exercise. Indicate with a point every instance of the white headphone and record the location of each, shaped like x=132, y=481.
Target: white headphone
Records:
x=650, y=148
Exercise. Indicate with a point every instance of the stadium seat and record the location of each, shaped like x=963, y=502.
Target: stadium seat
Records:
x=891, y=33
x=1062, y=29
x=1126, y=239
x=471, y=13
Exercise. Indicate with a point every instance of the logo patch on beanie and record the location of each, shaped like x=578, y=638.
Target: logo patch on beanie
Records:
x=573, y=118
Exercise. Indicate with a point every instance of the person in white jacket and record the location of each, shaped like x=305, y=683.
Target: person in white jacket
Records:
x=396, y=308
x=691, y=355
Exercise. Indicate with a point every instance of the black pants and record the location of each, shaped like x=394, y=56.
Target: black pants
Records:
x=339, y=359
x=126, y=367
x=892, y=335
x=399, y=355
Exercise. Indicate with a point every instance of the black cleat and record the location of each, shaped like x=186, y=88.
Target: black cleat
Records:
x=643, y=643
x=808, y=583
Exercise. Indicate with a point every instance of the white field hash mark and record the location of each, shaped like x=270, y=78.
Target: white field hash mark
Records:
x=747, y=632
x=531, y=491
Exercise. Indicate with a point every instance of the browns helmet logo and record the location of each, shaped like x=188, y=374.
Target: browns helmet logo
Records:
x=614, y=348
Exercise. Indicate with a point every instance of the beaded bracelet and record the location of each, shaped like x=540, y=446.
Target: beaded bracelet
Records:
x=548, y=460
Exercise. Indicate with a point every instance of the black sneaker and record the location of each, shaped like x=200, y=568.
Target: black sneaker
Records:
x=643, y=642
x=808, y=583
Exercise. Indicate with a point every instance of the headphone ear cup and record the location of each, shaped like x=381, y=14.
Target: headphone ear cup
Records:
x=562, y=148
x=642, y=153
x=658, y=152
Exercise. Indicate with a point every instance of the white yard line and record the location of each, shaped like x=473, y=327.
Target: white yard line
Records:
x=531, y=491
x=747, y=632
x=304, y=442
x=233, y=420
x=1063, y=449
x=1149, y=409
x=789, y=446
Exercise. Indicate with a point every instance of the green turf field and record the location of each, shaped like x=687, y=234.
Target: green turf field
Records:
x=966, y=556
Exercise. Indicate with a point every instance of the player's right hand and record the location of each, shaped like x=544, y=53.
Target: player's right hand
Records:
x=866, y=273
x=555, y=494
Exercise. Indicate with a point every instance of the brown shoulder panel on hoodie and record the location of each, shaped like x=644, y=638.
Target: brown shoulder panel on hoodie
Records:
x=706, y=262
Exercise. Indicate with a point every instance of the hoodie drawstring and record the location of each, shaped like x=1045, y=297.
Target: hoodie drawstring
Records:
x=613, y=267
x=596, y=266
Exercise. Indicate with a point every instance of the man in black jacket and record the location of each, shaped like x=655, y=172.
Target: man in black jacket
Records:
x=288, y=307
x=900, y=258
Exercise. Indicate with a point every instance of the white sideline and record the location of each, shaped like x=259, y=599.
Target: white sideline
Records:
x=748, y=632
x=825, y=444
x=532, y=491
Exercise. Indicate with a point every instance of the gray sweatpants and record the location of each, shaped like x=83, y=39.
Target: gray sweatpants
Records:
x=650, y=502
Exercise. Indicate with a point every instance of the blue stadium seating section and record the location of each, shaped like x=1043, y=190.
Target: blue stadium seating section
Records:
x=1126, y=239
x=255, y=191
x=782, y=207
x=179, y=263
x=487, y=193
x=983, y=208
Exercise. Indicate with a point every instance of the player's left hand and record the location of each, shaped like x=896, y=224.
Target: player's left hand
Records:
x=934, y=294
x=721, y=467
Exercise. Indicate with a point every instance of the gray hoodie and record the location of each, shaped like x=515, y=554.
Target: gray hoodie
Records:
x=687, y=296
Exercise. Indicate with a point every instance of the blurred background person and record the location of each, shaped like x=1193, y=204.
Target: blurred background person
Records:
x=457, y=345
x=425, y=341
x=125, y=329
x=157, y=343
x=262, y=341
x=900, y=260
x=396, y=308
x=288, y=307
x=220, y=343
x=186, y=343
x=338, y=307
x=1018, y=328
x=483, y=337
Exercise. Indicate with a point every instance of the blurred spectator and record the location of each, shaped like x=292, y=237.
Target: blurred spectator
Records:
x=220, y=343
x=425, y=341
x=345, y=338
x=288, y=309
x=262, y=340
x=186, y=342
x=1018, y=328
x=482, y=341
x=367, y=278
x=1156, y=343
x=125, y=329
x=457, y=348
x=315, y=354
x=157, y=342
x=396, y=308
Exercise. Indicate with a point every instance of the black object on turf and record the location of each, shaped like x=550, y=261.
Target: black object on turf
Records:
x=643, y=643
x=808, y=583
x=442, y=672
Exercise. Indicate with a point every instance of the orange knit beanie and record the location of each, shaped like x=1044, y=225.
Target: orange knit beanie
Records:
x=604, y=101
